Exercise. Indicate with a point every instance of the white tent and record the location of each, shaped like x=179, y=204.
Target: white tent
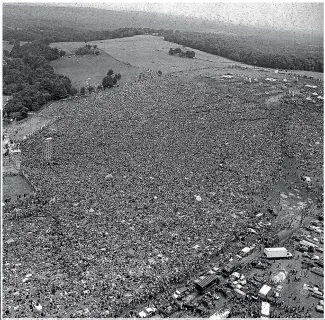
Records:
x=245, y=250
x=264, y=290
x=151, y=310
x=281, y=276
x=142, y=314
x=242, y=293
x=265, y=310
x=222, y=314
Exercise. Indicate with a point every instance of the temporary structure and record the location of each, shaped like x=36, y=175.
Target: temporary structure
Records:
x=265, y=310
x=279, y=277
x=264, y=290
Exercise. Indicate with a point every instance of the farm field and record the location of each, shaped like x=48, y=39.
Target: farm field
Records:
x=145, y=52
x=129, y=57
x=80, y=68
x=151, y=52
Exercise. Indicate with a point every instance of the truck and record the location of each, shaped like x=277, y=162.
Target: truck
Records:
x=277, y=253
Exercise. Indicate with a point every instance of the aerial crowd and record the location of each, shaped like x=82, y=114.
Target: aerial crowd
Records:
x=148, y=184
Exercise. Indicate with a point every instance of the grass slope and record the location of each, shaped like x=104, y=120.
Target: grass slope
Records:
x=130, y=57
x=80, y=68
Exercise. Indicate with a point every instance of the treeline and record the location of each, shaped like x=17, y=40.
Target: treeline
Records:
x=260, y=50
x=30, y=80
x=72, y=35
x=279, y=54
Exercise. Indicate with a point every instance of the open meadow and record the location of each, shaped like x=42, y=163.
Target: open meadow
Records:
x=133, y=55
x=151, y=52
x=92, y=68
x=129, y=57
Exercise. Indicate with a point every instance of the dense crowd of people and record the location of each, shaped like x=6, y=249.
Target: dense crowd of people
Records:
x=148, y=183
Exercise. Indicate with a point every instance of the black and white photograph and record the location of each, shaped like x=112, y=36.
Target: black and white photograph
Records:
x=162, y=159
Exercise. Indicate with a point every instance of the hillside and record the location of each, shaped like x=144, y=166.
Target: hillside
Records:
x=153, y=184
x=133, y=55
x=92, y=68
x=130, y=57
x=27, y=16
x=51, y=17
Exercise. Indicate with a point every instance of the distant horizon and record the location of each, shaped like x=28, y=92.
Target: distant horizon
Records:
x=296, y=17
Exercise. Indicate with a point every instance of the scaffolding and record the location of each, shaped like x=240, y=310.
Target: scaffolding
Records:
x=48, y=149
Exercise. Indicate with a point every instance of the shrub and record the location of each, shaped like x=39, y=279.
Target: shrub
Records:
x=73, y=91
x=82, y=90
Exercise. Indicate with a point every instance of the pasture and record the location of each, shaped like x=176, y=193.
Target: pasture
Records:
x=150, y=52
x=129, y=57
x=132, y=55
x=80, y=68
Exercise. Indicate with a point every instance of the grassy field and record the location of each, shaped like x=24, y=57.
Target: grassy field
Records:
x=80, y=68
x=150, y=52
x=15, y=185
x=130, y=57
x=145, y=52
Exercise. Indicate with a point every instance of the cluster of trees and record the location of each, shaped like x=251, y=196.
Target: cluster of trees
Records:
x=180, y=53
x=110, y=79
x=87, y=49
x=254, y=50
x=37, y=48
x=57, y=34
x=30, y=80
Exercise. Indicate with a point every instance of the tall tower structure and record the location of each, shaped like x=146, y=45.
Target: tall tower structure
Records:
x=48, y=149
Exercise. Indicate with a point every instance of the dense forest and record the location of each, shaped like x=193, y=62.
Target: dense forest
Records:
x=253, y=50
x=30, y=80
x=72, y=35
